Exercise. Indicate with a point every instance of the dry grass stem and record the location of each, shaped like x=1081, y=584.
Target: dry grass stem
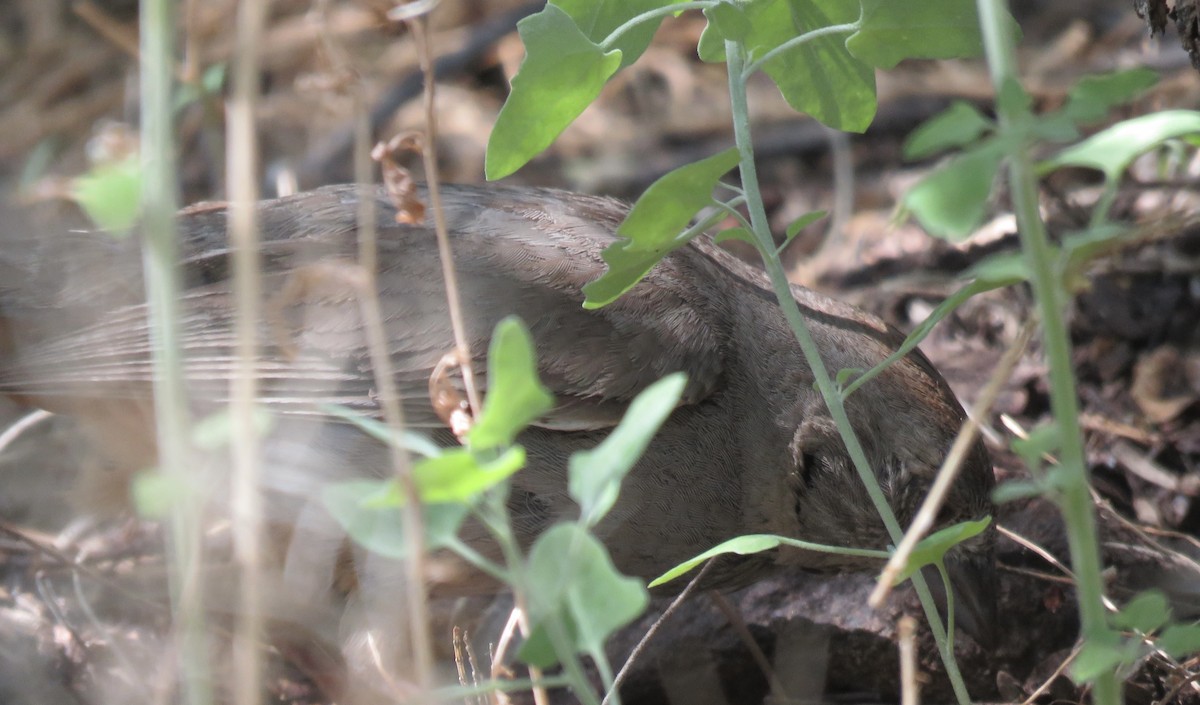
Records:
x=22, y=425
x=247, y=511
x=654, y=629
x=910, y=691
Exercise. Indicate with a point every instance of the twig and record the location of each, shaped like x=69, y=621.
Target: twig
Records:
x=910, y=693
x=1037, y=574
x=22, y=425
x=116, y=33
x=472, y=661
x=51, y=601
x=120, y=653
x=760, y=659
x=449, y=273
x=1137, y=463
x=1177, y=557
x=654, y=629
x=42, y=546
x=1053, y=676
x=462, y=659
x=1183, y=683
x=1049, y=558
x=506, y=637
x=1029, y=544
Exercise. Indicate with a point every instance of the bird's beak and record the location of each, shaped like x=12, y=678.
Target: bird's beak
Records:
x=973, y=579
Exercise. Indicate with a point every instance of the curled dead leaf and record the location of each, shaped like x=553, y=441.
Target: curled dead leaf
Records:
x=1160, y=384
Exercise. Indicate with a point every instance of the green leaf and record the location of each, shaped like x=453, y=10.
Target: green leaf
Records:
x=210, y=84
x=406, y=439
x=950, y=201
x=711, y=47
x=652, y=228
x=1056, y=127
x=803, y=222
x=999, y=270
x=959, y=125
x=757, y=543
x=1146, y=612
x=729, y=21
x=819, y=77
x=575, y=589
x=846, y=375
x=931, y=550
x=369, y=512
x=740, y=234
x=1083, y=245
x=671, y=201
x=111, y=194
x=562, y=74
x=516, y=397
x=458, y=476
x=931, y=29
x=1111, y=151
x=215, y=430
x=1042, y=440
x=1080, y=249
x=1014, y=490
x=538, y=650
x=741, y=545
x=1102, y=654
x=1012, y=97
x=799, y=224
x=595, y=475
x=978, y=286
x=156, y=495
x=598, y=18
x=1092, y=97
x=1180, y=640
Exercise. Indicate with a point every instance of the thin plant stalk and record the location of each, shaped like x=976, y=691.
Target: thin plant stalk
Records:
x=364, y=282
x=418, y=25
x=458, y=324
x=1074, y=498
x=161, y=265
x=493, y=513
x=393, y=413
x=247, y=510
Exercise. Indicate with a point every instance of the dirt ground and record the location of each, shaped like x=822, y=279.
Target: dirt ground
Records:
x=68, y=88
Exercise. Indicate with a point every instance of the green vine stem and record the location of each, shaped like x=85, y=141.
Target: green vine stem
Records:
x=736, y=58
x=1075, y=497
x=161, y=264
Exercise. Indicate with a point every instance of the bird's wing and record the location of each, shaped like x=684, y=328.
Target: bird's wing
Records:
x=526, y=252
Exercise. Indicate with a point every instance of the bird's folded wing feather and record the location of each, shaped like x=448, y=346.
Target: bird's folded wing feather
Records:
x=517, y=251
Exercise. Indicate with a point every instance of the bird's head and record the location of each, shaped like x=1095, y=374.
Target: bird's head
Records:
x=833, y=505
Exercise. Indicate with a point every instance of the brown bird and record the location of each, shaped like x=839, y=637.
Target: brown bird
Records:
x=750, y=449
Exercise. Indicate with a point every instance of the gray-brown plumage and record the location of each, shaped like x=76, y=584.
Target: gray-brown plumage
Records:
x=751, y=448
